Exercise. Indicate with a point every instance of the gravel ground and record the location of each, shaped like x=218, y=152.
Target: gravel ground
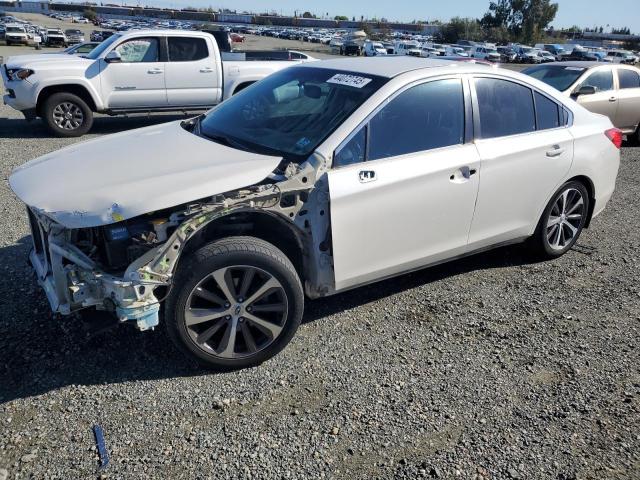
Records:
x=491, y=367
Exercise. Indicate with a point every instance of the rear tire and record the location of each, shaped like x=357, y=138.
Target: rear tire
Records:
x=223, y=281
x=562, y=221
x=67, y=115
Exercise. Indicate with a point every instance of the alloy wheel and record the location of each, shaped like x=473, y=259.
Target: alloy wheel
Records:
x=565, y=219
x=68, y=116
x=236, y=311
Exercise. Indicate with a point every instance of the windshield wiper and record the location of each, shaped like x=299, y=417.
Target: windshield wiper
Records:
x=226, y=140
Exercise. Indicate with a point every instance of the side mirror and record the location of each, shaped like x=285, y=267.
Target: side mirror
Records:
x=113, y=57
x=585, y=90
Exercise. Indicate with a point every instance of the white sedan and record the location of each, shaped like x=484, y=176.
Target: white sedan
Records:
x=318, y=179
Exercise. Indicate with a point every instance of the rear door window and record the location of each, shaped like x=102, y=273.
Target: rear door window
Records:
x=505, y=108
x=187, y=49
x=628, y=79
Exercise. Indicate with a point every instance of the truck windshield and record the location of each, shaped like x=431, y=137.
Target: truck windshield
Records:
x=560, y=78
x=96, y=52
x=290, y=112
x=15, y=30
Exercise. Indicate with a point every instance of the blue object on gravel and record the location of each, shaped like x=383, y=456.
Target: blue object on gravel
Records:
x=102, y=449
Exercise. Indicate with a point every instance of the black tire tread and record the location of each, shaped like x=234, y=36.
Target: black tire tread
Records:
x=55, y=98
x=224, y=246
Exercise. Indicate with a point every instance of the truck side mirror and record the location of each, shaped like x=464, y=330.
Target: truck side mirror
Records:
x=113, y=57
x=585, y=90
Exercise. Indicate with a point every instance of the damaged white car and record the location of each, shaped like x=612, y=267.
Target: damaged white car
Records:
x=318, y=179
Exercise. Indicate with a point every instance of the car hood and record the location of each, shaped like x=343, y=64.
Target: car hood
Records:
x=43, y=59
x=121, y=176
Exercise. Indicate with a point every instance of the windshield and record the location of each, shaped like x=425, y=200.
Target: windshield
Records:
x=74, y=32
x=290, y=112
x=15, y=29
x=560, y=78
x=96, y=52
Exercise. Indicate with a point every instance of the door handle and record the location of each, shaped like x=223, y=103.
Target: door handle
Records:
x=154, y=71
x=555, y=152
x=206, y=70
x=366, y=176
x=462, y=175
x=613, y=99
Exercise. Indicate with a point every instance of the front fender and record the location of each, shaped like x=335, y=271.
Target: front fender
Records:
x=59, y=82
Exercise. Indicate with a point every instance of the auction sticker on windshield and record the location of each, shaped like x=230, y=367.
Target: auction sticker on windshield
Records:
x=349, y=80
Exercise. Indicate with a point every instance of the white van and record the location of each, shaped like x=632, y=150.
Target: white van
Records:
x=372, y=49
x=453, y=51
x=407, y=48
x=485, y=52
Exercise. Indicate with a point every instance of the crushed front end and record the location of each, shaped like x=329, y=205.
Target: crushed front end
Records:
x=82, y=268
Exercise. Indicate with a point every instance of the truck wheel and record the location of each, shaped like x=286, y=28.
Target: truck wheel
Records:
x=67, y=115
x=235, y=303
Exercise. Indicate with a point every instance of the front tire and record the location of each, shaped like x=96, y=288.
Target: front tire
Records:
x=67, y=115
x=562, y=221
x=235, y=303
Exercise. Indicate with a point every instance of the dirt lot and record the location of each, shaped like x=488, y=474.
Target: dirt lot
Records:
x=492, y=367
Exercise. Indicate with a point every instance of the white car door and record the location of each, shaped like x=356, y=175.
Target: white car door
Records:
x=525, y=150
x=193, y=75
x=403, y=186
x=138, y=79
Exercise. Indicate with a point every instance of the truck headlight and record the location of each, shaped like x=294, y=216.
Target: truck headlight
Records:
x=19, y=73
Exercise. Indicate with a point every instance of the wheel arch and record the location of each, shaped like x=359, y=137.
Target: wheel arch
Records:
x=73, y=88
x=267, y=226
x=241, y=86
x=588, y=184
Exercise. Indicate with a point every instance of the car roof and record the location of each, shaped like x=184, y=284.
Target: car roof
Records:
x=585, y=64
x=388, y=66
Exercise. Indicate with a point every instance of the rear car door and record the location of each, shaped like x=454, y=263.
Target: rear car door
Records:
x=605, y=100
x=628, y=113
x=525, y=151
x=193, y=74
x=403, y=186
x=138, y=80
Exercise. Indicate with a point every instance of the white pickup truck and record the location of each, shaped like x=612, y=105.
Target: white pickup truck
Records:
x=131, y=72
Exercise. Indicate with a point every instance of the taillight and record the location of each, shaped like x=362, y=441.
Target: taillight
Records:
x=615, y=135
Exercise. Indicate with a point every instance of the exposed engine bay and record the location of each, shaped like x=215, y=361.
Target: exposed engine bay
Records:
x=119, y=267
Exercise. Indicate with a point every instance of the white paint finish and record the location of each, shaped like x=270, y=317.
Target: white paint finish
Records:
x=140, y=171
x=517, y=179
x=596, y=158
x=195, y=83
x=411, y=215
x=131, y=85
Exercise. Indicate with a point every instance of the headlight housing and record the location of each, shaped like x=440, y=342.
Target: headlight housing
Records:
x=19, y=73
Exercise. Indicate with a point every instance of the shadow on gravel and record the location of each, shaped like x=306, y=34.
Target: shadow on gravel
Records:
x=498, y=258
x=39, y=353
x=103, y=125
